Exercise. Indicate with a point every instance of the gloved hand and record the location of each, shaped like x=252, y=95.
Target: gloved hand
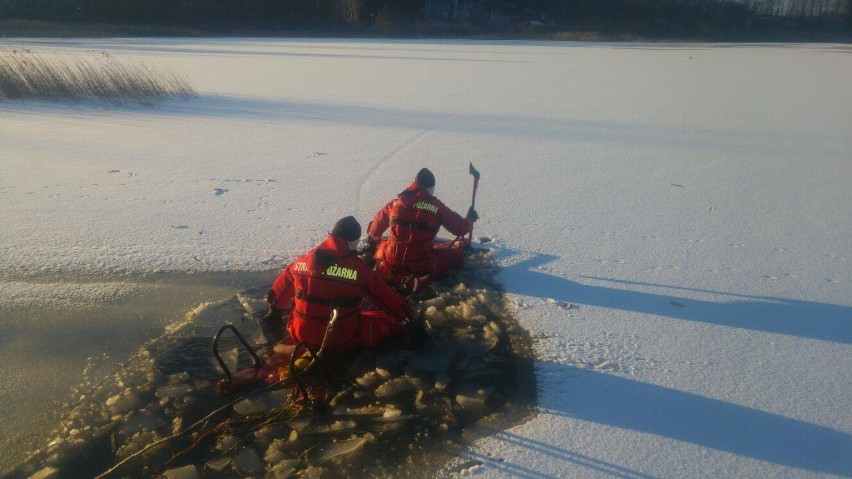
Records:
x=472, y=214
x=371, y=247
x=271, y=325
x=273, y=315
x=367, y=253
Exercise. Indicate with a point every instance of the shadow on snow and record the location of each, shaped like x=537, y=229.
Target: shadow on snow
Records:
x=628, y=404
x=743, y=431
x=564, y=458
x=246, y=108
x=792, y=317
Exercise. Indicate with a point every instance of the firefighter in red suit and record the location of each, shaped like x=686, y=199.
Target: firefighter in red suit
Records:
x=329, y=277
x=414, y=219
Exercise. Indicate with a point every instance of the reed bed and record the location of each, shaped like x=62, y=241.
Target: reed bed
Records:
x=28, y=75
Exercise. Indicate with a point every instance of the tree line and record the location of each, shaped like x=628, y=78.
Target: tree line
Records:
x=630, y=18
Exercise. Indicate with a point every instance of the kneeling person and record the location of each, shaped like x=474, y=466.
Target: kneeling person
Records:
x=331, y=276
x=414, y=218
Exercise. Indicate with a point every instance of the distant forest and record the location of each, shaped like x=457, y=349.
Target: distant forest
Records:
x=592, y=19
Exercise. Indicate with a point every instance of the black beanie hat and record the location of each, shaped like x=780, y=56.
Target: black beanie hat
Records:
x=347, y=228
x=425, y=178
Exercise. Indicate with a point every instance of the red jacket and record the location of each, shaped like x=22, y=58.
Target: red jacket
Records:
x=414, y=218
x=326, y=277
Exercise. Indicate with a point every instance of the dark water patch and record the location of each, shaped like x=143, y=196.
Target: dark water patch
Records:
x=400, y=410
x=61, y=334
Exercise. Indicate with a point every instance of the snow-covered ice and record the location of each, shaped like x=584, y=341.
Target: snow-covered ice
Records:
x=690, y=203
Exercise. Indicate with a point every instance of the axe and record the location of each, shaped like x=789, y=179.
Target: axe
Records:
x=475, y=175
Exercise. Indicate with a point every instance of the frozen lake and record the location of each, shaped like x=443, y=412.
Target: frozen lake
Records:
x=689, y=201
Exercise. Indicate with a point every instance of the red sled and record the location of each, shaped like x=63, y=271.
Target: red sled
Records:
x=272, y=369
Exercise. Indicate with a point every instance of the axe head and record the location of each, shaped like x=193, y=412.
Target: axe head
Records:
x=473, y=171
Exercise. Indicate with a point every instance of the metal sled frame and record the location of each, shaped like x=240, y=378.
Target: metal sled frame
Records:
x=242, y=340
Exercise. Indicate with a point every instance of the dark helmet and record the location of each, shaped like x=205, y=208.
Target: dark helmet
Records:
x=425, y=178
x=347, y=228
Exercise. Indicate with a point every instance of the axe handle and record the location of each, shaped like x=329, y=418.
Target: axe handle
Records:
x=472, y=205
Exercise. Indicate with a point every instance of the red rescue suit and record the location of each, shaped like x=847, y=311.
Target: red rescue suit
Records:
x=330, y=276
x=414, y=219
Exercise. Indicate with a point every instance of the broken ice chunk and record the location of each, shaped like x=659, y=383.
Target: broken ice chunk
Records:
x=46, y=473
x=185, y=472
x=173, y=391
x=252, y=306
x=363, y=411
x=370, y=380
x=219, y=464
x=285, y=468
x=227, y=443
x=300, y=422
x=382, y=428
x=256, y=405
x=247, y=462
x=313, y=473
x=342, y=425
x=496, y=328
x=341, y=448
x=392, y=411
x=436, y=302
x=393, y=387
x=142, y=421
x=273, y=430
x=432, y=405
x=471, y=400
x=392, y=414
x=442, y=381
x=435, y=317
x=466, y=310
x=178, y=378
x=274, y=453
x=123, y=403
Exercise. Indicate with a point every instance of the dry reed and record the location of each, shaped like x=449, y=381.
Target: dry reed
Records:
x=28, y=75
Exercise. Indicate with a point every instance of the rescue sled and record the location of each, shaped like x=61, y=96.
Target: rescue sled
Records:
x=285, y=365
